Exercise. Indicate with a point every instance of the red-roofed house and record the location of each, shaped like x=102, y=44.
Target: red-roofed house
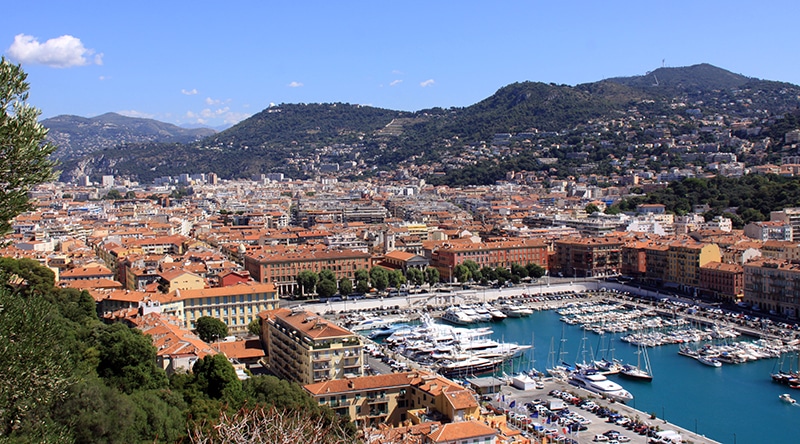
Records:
x=463, y=433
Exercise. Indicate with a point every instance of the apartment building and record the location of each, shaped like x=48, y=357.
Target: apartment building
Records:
x=769, y=230
x=723, y=281
x=773, y=285
x=304, y=348
x=235, y=305
x=280, y=265
x=684, y=259
x=595, y=256
x=445, y=255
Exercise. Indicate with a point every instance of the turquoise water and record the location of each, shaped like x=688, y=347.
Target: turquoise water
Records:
x=731, y=404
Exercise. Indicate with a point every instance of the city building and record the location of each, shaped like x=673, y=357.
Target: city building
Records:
x=304, y=348
x=585, y=257
x=445, y=255
x=393, y=398
x=722, y=281
x=684, y=259
x=280, y=265
x=773, y=286
x=769, y=230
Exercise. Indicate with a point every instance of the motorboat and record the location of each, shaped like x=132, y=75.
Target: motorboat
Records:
x=468, y=365
x=786, y=398
x=457, y=316
x=597, y=382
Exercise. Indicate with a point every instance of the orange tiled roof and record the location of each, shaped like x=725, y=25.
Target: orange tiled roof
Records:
x=458, y=431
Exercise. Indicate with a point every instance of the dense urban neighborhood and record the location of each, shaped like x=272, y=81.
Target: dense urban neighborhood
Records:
x=196, y=287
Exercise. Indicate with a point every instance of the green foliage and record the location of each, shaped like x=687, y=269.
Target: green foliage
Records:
x=24, y=158
x=519, y=271
x=216, y=377
x=396, y=278
x=432, y=276
x=752, y=197
x=591, y=208
x=254, y=327
x=415, y=276
x=113, y=194
x=162, y=415
x=379, y=278
x=345, y=286
x=327, y=275
x=97, y=413
x=488, y=274
x=535, y=270
x=34, y=367
x=307, y=281
x=210, y=329
x=272, y=391
x=38, y=280
x=462, y=273
x=127, y=359
x=326, y=288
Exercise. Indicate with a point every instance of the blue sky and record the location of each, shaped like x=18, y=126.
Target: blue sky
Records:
x=215, y=63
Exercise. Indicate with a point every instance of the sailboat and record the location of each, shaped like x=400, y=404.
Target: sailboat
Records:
x=637, y=371
x=789, y=378
x=558, y=371
x=604, y=364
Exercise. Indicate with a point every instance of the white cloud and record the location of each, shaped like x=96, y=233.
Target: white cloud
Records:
x=427, y=83
x=101, y=78
x=189, y=92
x=397, y=72
x=395, y=82
x=134, y=113
x=207, y=115
x=60, y=52
x=212, y=102
x=295, y=85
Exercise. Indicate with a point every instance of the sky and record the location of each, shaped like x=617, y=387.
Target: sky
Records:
x=216, y=63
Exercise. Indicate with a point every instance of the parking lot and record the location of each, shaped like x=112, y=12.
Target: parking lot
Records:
x=566, y=414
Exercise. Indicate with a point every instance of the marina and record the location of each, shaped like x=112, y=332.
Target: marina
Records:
x=707, y=399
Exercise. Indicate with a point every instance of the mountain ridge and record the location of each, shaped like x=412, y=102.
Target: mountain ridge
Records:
x=78, y=136
x=362, y=140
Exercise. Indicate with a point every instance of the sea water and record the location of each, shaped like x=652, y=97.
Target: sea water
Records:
x=736, y=403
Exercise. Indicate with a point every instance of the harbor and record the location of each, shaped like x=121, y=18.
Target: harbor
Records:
x=702, y=400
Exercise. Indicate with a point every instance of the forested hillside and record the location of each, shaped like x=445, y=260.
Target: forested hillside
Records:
x=67, y=377
x=587, y=128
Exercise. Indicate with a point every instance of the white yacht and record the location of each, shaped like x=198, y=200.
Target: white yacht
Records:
x=455, y=315
x=596, y=382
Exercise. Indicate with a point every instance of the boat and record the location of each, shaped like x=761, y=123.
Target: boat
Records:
x=457, y=316
x=637, y=371
x=597, y=382
x=497, y=315
x=790, y=378
x=385, y=331
x=467, y=365
x=709, y=360
x=516, y=311
x=786, y=398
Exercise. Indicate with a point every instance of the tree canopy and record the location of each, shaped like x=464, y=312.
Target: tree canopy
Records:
x=24, y=158
x=210, y=329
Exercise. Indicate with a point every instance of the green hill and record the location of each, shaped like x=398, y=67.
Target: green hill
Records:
x=568, y=123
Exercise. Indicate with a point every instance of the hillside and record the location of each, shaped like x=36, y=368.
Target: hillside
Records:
x=585, y=128
x=79, y=136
